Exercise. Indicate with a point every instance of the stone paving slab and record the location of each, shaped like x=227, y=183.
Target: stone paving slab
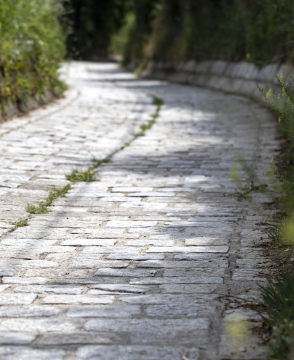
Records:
x=148, y=262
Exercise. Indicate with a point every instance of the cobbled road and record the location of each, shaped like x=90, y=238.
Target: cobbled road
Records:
x=157, y=258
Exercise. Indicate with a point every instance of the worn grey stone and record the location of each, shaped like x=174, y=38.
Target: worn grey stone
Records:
x=158, y=299
x=17, y=299
x=121, y=288
x=28, y=311
x=188, y=288
x=11, y=338
x=200, y=264
x=123, y=272
x=130, y=256
x=39, y=325
x=24, y=353
x=135, y=352
x=86, y=262
x=91, y=242
x=188, y=310
x=29, y=280
x=126, y=224
x=43, y=289
x=77, y=299
x=3, y=287
x=189, y=249
x=103, y=311
x=177, y=280
x=79, y=338
x=6, y=271
x=155, y=326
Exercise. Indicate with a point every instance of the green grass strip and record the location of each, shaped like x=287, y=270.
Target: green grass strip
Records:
x=41, y=207
x=77, y=175
x=19, y=223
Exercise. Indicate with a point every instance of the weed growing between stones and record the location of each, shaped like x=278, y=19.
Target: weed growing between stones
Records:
x=98, y=162
x=275, y=235
x=247, y=190
x=158, y=102
x=19, y=223
x=56, y=193
x=147, y=126
x=87, y=175
x=41, y=207
x=77, y=175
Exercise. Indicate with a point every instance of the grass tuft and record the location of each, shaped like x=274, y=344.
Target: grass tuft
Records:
x=56, y=193
x=77, y=175
x=41, y=207
x=87, y=175
x=278, y=305
x=19, y=223
x=147, y=126
x=97, y=163
x=274, y=233
x=141, y=133
x=157, y=101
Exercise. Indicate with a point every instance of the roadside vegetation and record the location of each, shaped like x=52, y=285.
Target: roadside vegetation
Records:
x=31, y=48
x=277, y=303
x=259, y=31
x=277, y=297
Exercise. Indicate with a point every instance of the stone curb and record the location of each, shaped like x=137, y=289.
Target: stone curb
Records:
x=234, y=77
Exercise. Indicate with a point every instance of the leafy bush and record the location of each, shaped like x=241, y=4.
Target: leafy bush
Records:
x=31, y=47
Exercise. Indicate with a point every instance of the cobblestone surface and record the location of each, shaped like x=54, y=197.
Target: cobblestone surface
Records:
x=150, y=261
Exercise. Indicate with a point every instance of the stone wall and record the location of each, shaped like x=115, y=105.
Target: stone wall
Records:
x=12, y=109
x=240, y=78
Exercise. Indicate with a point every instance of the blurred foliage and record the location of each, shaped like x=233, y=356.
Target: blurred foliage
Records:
x=278, y=295
x=31, y=47
x=141, y=30
x=277, y=302
x=97, y=27
x=283, y=105
x=260, y=31
x=121, y=42
x=90, y=24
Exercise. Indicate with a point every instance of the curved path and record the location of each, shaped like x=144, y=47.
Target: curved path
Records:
x=155, y=260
